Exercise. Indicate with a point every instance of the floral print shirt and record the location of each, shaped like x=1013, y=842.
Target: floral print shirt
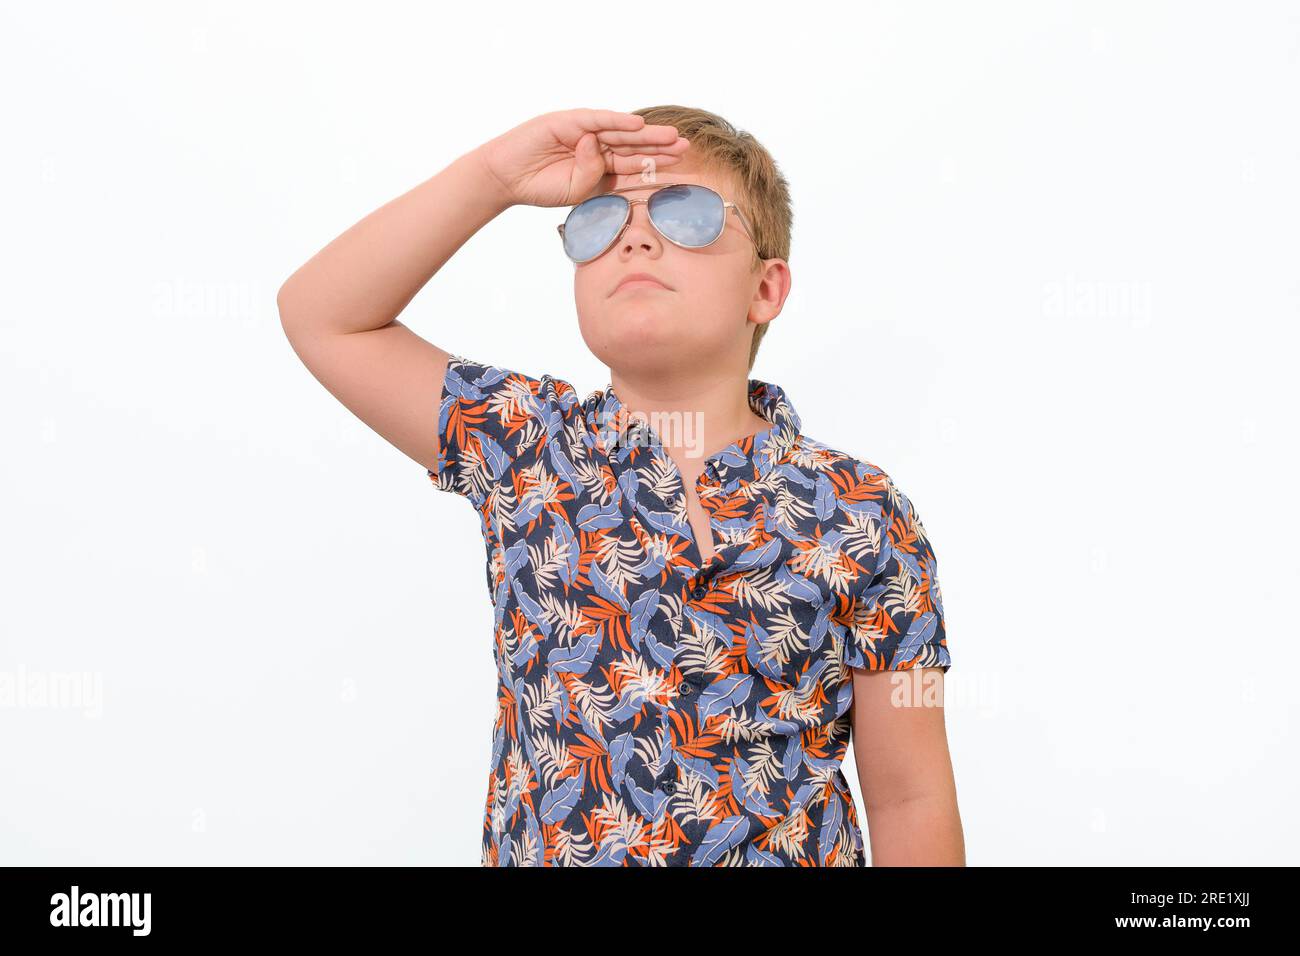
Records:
x=655, y=709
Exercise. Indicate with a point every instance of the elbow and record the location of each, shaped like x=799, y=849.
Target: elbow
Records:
x=284, y=305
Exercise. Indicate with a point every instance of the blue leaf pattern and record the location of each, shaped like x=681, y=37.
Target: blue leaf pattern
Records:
x=655, y=708
x=720, y=838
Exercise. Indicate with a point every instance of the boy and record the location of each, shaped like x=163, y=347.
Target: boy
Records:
x=695, y=603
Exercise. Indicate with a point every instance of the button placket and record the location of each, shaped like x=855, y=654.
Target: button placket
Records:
x=667, y=779
x=703, y=578
x=638, y=434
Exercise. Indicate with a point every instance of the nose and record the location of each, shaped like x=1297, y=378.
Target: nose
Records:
x=639, y=233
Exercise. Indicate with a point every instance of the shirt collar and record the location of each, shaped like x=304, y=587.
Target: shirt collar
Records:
x=733, y=466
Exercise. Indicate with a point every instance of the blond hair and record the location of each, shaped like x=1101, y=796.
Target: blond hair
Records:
x=765, y=194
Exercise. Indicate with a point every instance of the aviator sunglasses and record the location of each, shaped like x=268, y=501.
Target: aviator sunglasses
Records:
x=686, y=214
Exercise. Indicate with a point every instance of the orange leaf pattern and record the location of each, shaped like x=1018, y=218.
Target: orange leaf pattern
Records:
x=655, y=709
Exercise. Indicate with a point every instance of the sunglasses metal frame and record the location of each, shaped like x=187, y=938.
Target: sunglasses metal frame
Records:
x=655, y=187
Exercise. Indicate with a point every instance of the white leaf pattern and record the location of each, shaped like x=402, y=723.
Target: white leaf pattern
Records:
x=642, y=721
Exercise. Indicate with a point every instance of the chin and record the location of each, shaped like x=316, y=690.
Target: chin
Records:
x=630, y=337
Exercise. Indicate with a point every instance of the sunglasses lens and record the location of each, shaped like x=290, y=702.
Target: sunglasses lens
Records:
x=591, y=225
x=688, y=215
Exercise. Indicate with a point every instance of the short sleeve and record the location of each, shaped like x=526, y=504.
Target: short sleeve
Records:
x=898, y=621
x=489, y=418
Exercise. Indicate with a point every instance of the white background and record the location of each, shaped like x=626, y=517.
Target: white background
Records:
x=1045, y=274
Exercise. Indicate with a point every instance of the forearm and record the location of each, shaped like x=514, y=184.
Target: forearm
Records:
x=921, y=831
x=365, y=277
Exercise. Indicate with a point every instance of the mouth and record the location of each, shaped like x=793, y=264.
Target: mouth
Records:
x=640, y=280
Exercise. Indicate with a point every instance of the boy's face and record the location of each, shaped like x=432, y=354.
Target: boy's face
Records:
x=705, y=317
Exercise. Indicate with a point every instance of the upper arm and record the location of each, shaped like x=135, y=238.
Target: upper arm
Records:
x=466, y=422
x=900, y=742
x=388, y=377
x=897, y=612
x=897, y=651
x=492, y=421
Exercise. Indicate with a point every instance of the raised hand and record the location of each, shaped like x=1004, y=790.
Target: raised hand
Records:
x=561, y=158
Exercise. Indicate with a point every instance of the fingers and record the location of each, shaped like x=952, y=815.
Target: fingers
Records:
x=620, y=128
x=596, y=120
x=676, y=149
x=647, y=135
x=626, y=142
x=614, y=129
x=635, y=163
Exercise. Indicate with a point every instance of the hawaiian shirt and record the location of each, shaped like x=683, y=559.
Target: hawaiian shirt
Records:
x=655, y=709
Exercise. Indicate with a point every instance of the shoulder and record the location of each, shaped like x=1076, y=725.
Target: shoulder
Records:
x=814, y=455
x=471, y=380
x=857, y=478
x=494, y=418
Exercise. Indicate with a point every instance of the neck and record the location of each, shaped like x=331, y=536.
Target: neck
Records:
x=693, y=416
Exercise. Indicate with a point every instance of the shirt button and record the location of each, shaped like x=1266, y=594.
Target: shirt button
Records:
x=699, y=591
x=686, y=688
x=669, y=786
